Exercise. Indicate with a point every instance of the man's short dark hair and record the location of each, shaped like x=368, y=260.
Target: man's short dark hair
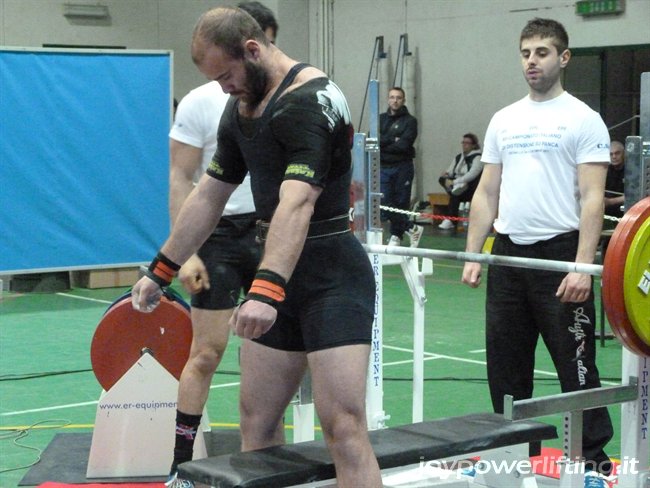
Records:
x=262, y=14
x=399, y=89
x=546, y=28
x=229, y=28
x=472, y=137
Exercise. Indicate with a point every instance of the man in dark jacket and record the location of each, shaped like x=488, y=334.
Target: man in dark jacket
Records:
x=615, y=183
x=398, y=130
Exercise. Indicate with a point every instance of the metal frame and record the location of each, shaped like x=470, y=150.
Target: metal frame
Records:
x=634, y=396
x=570, y=401
x=376, y=415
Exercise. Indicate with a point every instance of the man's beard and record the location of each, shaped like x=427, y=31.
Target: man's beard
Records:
x=256, y=81
x=544, y=83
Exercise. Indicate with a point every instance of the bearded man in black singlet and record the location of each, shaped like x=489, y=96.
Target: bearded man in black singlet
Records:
x=312, y=300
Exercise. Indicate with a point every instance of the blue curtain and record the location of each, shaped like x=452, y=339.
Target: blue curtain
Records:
x=84, y=158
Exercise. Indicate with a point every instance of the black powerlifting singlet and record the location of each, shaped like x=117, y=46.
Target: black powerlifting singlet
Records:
x=261, y=150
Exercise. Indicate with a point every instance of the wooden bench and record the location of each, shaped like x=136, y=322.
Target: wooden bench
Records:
x=305, y=462
x=439, y=203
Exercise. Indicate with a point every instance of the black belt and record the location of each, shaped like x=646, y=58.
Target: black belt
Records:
x=238, y=221
x=320, y=228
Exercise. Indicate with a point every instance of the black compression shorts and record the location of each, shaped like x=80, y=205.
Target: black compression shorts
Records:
x=330, y=298
x=231, y=256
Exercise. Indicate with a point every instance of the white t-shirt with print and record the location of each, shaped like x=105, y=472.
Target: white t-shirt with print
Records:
x=196, y=124
x=539, y=145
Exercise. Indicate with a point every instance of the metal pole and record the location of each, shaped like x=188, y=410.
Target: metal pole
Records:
x=415, y=281
x=376, y=416
x=543, y=264
x=373, y=164
x=635, y=430
x=303, y=412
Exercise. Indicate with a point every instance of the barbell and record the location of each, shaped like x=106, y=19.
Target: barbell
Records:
x=124, y=334
x=625, y=273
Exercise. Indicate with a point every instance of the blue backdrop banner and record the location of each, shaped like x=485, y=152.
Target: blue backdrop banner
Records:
x=84, y=158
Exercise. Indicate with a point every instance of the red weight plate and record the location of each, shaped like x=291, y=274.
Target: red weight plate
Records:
x=614, y=273
x=637, y=283
x=612, y=283
x=123, y=333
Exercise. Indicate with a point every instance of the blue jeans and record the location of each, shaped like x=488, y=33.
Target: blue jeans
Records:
x=521, y=307
x=395, y=187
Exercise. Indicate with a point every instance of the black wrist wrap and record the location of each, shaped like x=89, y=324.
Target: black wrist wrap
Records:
x=267, y=287
x=162, y=270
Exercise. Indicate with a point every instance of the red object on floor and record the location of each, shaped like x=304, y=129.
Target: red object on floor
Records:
x=546, y=463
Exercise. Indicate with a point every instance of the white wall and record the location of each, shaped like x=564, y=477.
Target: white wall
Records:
x=139, y=24
x=466, y=50
x=467, y=55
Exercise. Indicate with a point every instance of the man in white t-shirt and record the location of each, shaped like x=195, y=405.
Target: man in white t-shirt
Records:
x=225, y=264
x=542, y=187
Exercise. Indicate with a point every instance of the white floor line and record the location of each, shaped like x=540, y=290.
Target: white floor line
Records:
x=47, y=409
x=475, y=361
x=69, y=295
x=85, y=404
x=225, y=385
x=477, y=351
x=404, y=349
x=407, y=361
x=436, y=356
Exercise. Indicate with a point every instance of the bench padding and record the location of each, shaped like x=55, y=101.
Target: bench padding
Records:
x=294, y=464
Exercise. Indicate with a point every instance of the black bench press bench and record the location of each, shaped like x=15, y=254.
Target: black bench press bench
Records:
x=295, y=464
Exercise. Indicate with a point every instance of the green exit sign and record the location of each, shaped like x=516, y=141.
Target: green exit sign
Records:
x=600, y=7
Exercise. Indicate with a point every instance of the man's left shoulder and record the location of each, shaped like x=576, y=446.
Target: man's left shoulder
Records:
x=309, y=73
x=310, y=89
x=322, y=91
x=578, y=106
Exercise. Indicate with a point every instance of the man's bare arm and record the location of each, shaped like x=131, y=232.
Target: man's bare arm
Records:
x=284, y=244
x=197, y=218
x=185, y=161
x=289, y=226
x=484, y=207
x=591, y=183
x=483, y=211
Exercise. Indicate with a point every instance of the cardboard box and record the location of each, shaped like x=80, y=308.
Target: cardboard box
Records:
x=438, y=199
x=439, y=203
x=105, y=278
x=48, y=282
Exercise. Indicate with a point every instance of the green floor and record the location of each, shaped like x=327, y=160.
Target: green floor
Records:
x=47, y=385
